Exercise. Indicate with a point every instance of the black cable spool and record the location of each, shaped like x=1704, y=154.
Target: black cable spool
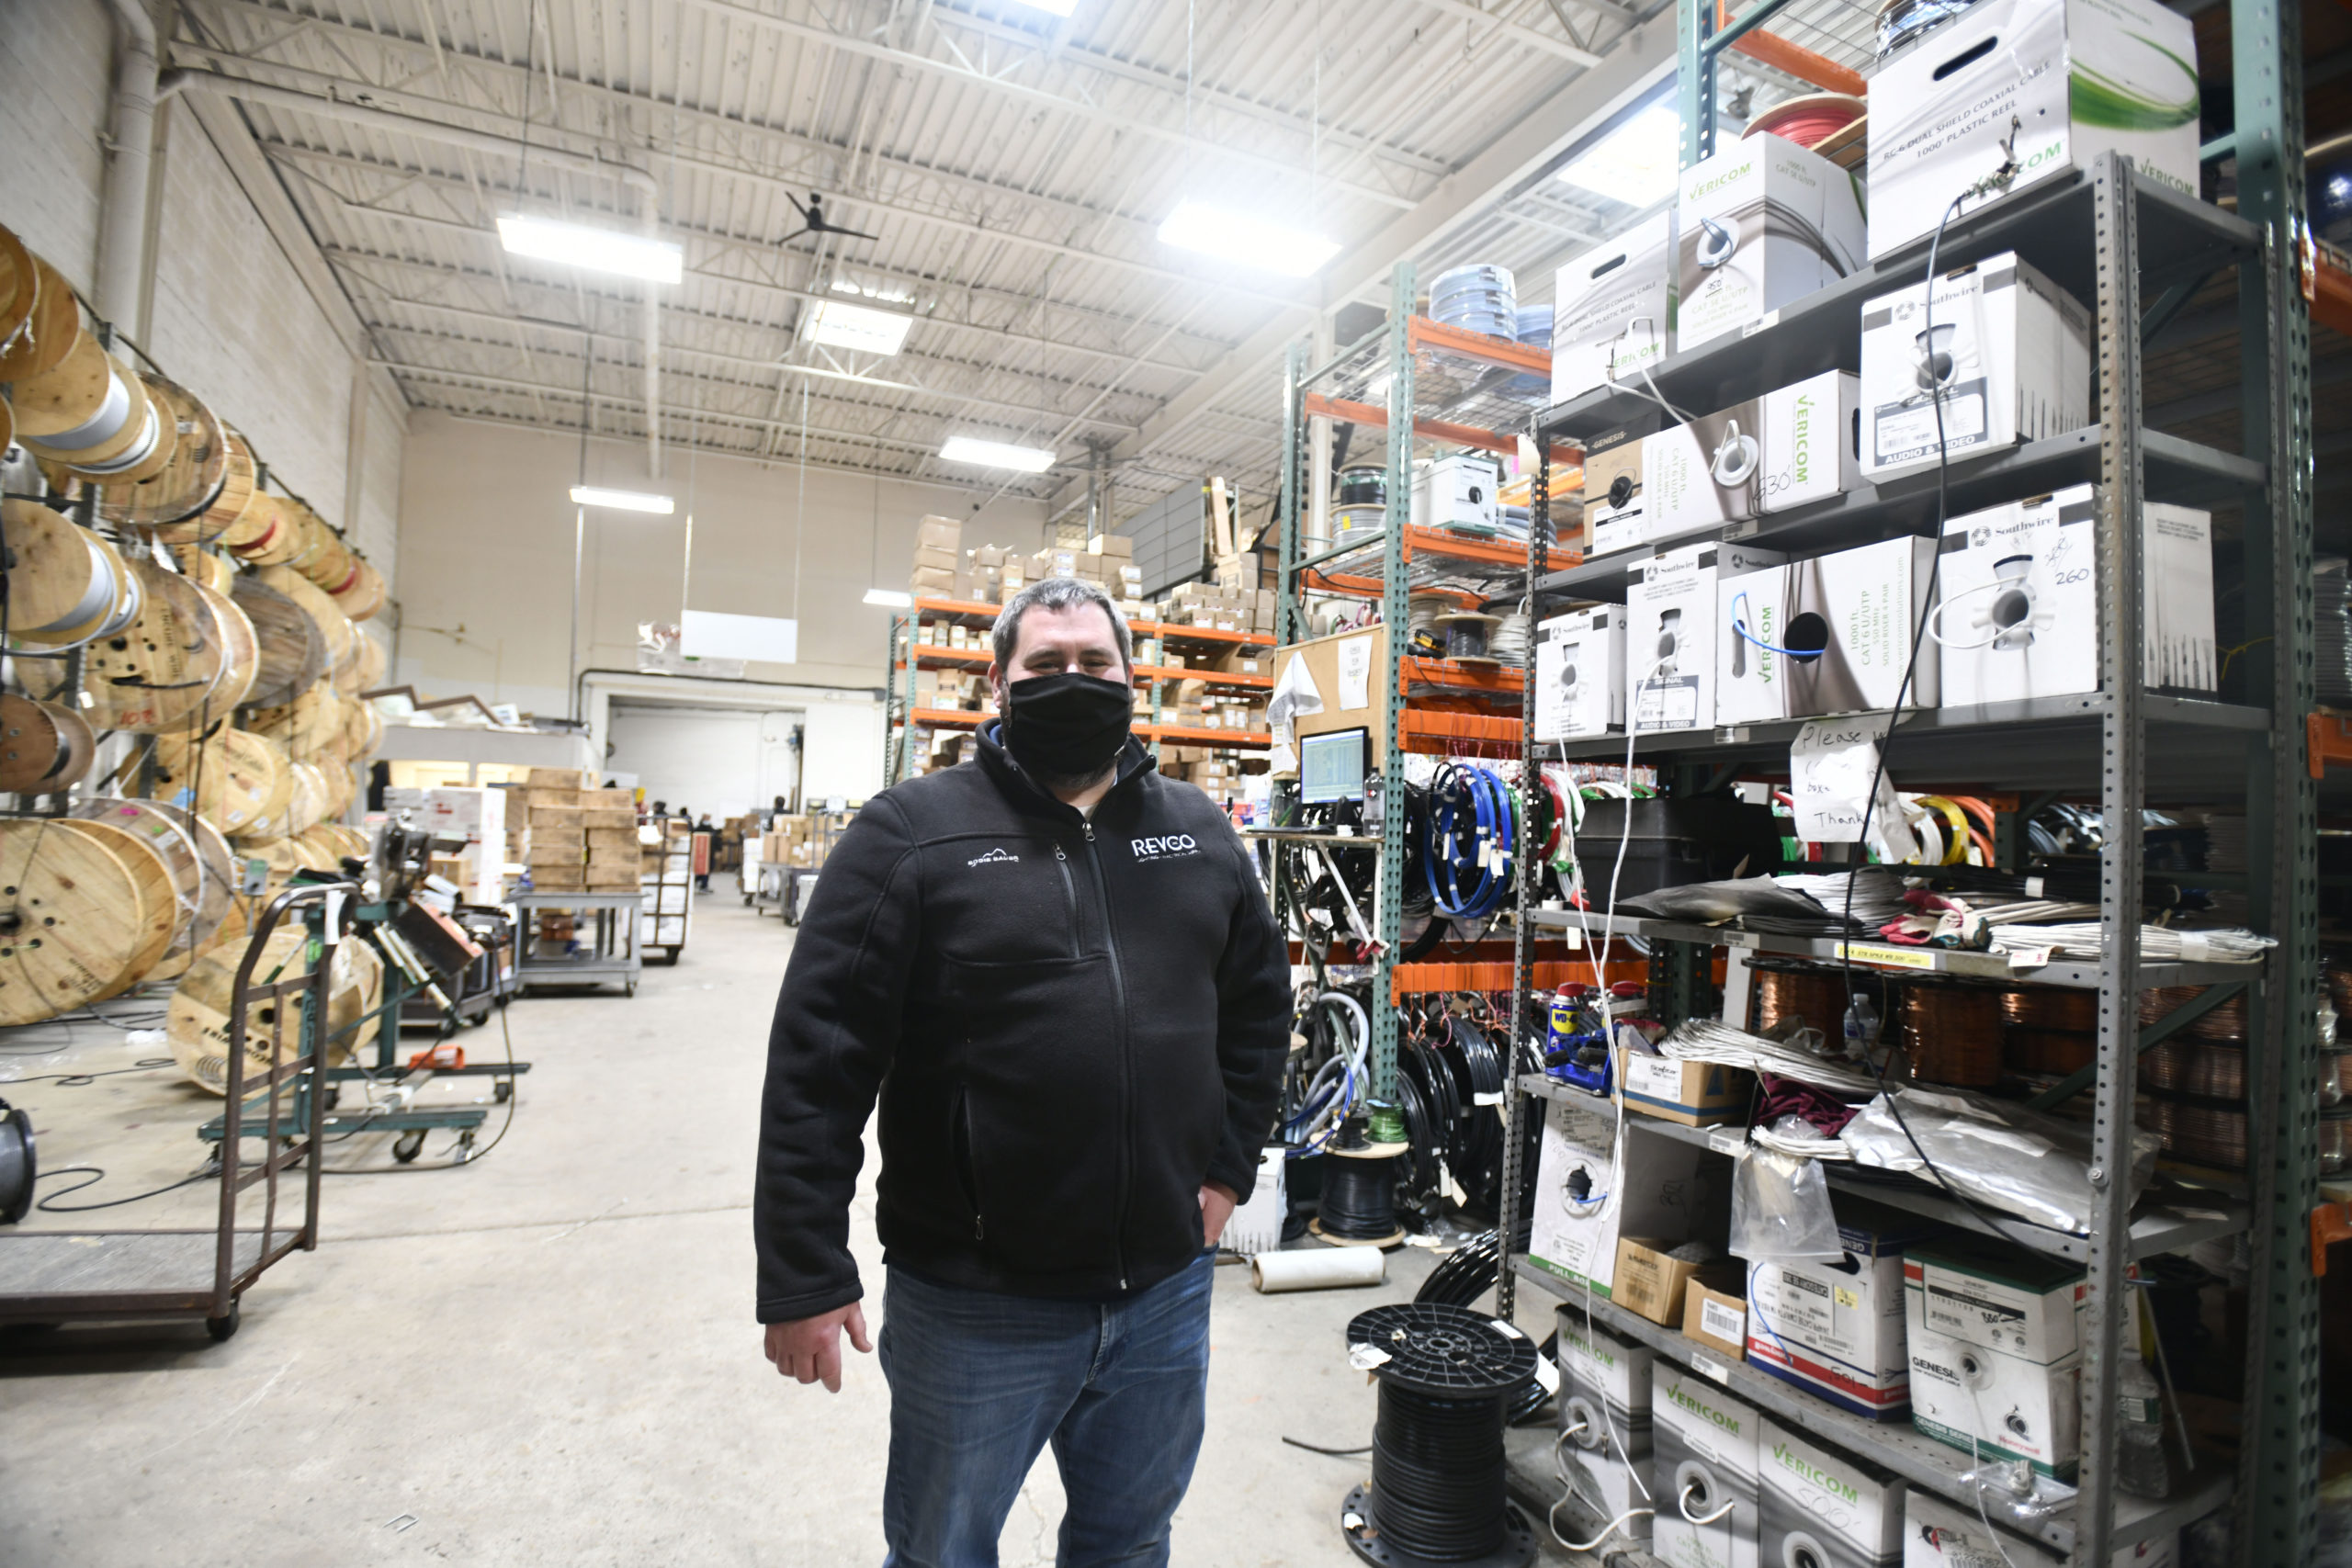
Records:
x=1437, y=1488
x=1359, y=1198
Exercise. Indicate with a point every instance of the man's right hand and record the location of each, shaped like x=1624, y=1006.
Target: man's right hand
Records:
x=810, y=1349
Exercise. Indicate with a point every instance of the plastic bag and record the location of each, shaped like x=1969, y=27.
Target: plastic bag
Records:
x=1995, y=1153
x=1780, y=1207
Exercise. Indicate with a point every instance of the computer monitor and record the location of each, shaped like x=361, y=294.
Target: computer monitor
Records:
x=1331, y=767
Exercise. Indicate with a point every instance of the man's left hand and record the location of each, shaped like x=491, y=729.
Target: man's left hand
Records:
x=1217, y=1207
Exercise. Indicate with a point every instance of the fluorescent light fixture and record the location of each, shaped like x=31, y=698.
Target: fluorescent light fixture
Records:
x=1054, y=7
x=1634, y=163
x=622, y=499
x=1235, y=237
x=996, y=455
x=598, y=250
x=855, y=326
x=891, y=598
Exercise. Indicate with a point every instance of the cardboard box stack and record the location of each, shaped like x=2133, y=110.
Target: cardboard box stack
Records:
x=939, y=546
x=1217, y=608
x=554, y=849
x=476, y=814
x=666, y=872
x=608, y=824
x=789, y=840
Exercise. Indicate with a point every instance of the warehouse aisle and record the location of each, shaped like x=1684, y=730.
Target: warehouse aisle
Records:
x=549, y=1358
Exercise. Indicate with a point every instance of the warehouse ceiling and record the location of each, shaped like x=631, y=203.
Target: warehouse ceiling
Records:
x=1011, y=166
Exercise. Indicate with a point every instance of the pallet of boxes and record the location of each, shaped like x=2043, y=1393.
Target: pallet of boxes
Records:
x=575, y=840
x=665, y=882
x=791, y=841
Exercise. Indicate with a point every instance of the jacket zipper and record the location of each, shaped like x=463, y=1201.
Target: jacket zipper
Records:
x=970, y=1171
x=1069, y=892
x=1126, y=1090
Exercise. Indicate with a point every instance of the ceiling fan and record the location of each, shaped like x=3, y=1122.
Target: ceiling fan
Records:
x=814, y=222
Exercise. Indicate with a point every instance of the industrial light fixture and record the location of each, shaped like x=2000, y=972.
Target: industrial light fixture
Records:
x=622, y=499
x=891, y=598
x=1053, y=7
x=598, y=250
x=1236, y=237
x=1634, y=163
x=997, y=455
x=843, y=326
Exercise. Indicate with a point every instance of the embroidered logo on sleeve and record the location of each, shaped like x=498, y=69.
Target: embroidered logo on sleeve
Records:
x=994, y=857
x=1169, y=847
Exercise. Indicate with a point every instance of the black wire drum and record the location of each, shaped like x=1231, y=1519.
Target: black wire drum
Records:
x=1436, y=1489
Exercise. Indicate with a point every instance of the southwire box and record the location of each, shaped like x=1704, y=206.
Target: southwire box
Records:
x=2018, y=611
x=1937, y=1533
x=1588, y=1194
x=1670, y=631
x=1835, y=1327
x=2006, y=350
x=1703, y=1456
x=1580, y=674
x=1605, y=1433
x=1821, y=1508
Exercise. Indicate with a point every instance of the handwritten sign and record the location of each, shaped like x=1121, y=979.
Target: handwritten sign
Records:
x=1831, y=764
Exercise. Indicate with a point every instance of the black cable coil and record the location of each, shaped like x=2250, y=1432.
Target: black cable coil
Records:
x=1437, y=1448
x=1359, y=1198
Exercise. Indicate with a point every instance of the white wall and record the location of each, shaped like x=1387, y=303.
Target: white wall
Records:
x=486, y=550
x=722, y=761
x=270, y=344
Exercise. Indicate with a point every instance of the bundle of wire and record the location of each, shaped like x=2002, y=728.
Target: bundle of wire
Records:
x=2158, y=944
x=1508, y=642
x=1319, y=1099
x=1473, y=826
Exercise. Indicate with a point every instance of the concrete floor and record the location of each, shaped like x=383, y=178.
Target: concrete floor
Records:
x=549, y=1357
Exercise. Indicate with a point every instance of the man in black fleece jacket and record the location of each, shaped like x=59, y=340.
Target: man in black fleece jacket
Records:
x=1058, y=972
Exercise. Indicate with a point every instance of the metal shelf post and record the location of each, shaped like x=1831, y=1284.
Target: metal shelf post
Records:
x=1396, y=613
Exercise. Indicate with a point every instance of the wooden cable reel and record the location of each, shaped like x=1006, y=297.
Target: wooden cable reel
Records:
x=310, y=726
x=204, y=871
x=364, y=594
x=158, y=903
x=44, y=747
x=52, y=321
x=197, y=1024
x=67, y=585
x=293, y=651
x=267, y=533
x=240, y=648
x=335, y=630
x=172, y=503
x=19, y=290
x=240, y=484
x=308, y=807
x=236, y=781
x=153, y=675
x=71, y=919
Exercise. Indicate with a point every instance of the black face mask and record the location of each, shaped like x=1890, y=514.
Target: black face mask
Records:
x=1065, y=729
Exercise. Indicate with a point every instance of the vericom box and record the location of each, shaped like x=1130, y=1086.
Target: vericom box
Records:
x=1830, y=634
x=1670, y=631
x=1455, y=492
x=1703, y=1456
x=2018, y=613
x=1612, y=310
x=1821, y=1508
x=1941, y=1534
x=1835, y=1327
x=2008, y=350
x=1813, y=441
x=1580, y=674
x=1586, y=1196
x=1604, y=1443
x=2064, y=80
x=1761, y=225
x=1700, y=476
x=1616, y=515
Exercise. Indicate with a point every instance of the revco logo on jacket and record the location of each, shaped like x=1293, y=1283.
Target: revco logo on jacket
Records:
x=1163, y=848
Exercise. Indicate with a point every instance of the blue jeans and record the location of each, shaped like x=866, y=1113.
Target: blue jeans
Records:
x=980, y=1382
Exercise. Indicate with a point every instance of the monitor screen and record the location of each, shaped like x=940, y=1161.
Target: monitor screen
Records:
x=1331, y=767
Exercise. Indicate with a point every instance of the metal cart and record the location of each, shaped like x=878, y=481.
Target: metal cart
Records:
x=614, y=956
x=53, y=1276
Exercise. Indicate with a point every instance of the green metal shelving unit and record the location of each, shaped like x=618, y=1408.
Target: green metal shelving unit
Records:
x=2137, y=252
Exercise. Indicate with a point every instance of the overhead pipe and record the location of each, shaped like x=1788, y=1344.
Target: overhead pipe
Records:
x=647, y=188
x=122, y=222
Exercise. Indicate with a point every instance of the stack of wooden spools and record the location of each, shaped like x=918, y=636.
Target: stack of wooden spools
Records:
x=212, y=626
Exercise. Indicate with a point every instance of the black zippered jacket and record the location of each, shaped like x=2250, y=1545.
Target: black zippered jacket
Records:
x=1071, y=1026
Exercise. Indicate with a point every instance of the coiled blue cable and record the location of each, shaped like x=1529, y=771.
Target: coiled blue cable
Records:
x=1448, y=861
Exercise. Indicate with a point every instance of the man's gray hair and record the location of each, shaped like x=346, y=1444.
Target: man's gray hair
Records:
x=1056, y=594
